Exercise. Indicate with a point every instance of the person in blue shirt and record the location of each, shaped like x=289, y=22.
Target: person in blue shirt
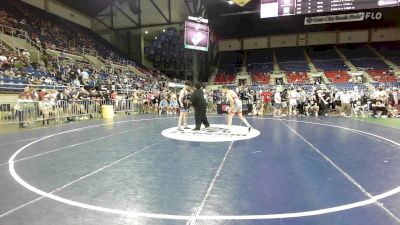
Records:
x=173, y=105
x=163, y=106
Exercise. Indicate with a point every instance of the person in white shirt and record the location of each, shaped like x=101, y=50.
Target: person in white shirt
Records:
x=277, y=103
x=3, y=58
x=345, y=99
x=77, y=83
x=380, y=94
x=336, y=101
x=396, y=96
x=293, y=99
x=19, y=109
x=84, y=76
x=26, y=54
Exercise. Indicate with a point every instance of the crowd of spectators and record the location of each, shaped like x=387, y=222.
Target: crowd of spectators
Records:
x=317, y=101
x=51, y=32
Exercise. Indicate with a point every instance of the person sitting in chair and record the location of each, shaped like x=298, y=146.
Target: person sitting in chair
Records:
x=312, y=106
x=378, y=105
x=163, y=107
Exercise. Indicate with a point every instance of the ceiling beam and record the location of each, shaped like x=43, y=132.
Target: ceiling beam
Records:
x=159, y=10
x=112, y=17
x=126, y=15
x=169, y=11
x=150, y=25
x=201, y=10
x=140, y=12
x=195, y=7
x=99, y=20
x=188, y=7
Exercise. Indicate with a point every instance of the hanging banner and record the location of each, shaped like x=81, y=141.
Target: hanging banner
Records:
x=351, y=17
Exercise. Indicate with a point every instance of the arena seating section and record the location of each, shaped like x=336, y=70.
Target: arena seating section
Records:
x=325, y=58
x=292, y=59
x=298, y=78
x=52, y=32
x=230, y=65
x=337, y=76
x=260, y=65
x=293, y=62
x=390, y=50
x=362, y=57
x=58, y=33
x=381, y=76
x=166, y=52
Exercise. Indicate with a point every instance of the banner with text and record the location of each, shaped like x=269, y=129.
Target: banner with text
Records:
x=334, y=18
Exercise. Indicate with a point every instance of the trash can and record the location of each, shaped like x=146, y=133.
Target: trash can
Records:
x=107, y=111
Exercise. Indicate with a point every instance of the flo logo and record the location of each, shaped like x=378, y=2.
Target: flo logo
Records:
x=215, y=133
x=373, y=15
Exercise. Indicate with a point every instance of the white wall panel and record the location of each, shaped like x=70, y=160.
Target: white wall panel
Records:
x=321, y=38
x=68, y=14
x=353, y=36
x=255, y=43
x=302, y=40
x=229, y=45
x=37, y=3
x=391, y=34
x=283, y=41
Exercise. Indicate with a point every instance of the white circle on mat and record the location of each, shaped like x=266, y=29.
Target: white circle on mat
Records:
x=215, y=133
x=135, y=214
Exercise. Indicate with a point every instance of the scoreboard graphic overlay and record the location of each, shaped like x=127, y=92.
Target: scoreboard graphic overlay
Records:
x=274, y=8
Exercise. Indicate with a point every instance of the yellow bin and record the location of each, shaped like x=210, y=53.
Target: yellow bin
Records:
x=107, y=111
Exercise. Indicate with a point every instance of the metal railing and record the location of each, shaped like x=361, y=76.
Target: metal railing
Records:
x=27, y=112
x=14, y=31
x=19, y=87
x=90, y=52
x=17, y=33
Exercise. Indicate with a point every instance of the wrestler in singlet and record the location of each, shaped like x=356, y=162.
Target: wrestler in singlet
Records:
x=237, y=106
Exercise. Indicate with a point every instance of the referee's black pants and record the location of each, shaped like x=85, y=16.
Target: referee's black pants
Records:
x=200, y=117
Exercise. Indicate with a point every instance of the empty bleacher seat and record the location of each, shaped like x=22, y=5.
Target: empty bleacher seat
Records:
x=382, y=76
x=297, y=78
x=337, y=76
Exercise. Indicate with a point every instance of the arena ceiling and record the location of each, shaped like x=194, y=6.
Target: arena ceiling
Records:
x=227, y=20
x=90, y=7
x=154, y=12
x=94, y=7
x=140, y=13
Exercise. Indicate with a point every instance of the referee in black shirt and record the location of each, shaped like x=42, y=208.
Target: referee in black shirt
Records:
x=200, y=107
